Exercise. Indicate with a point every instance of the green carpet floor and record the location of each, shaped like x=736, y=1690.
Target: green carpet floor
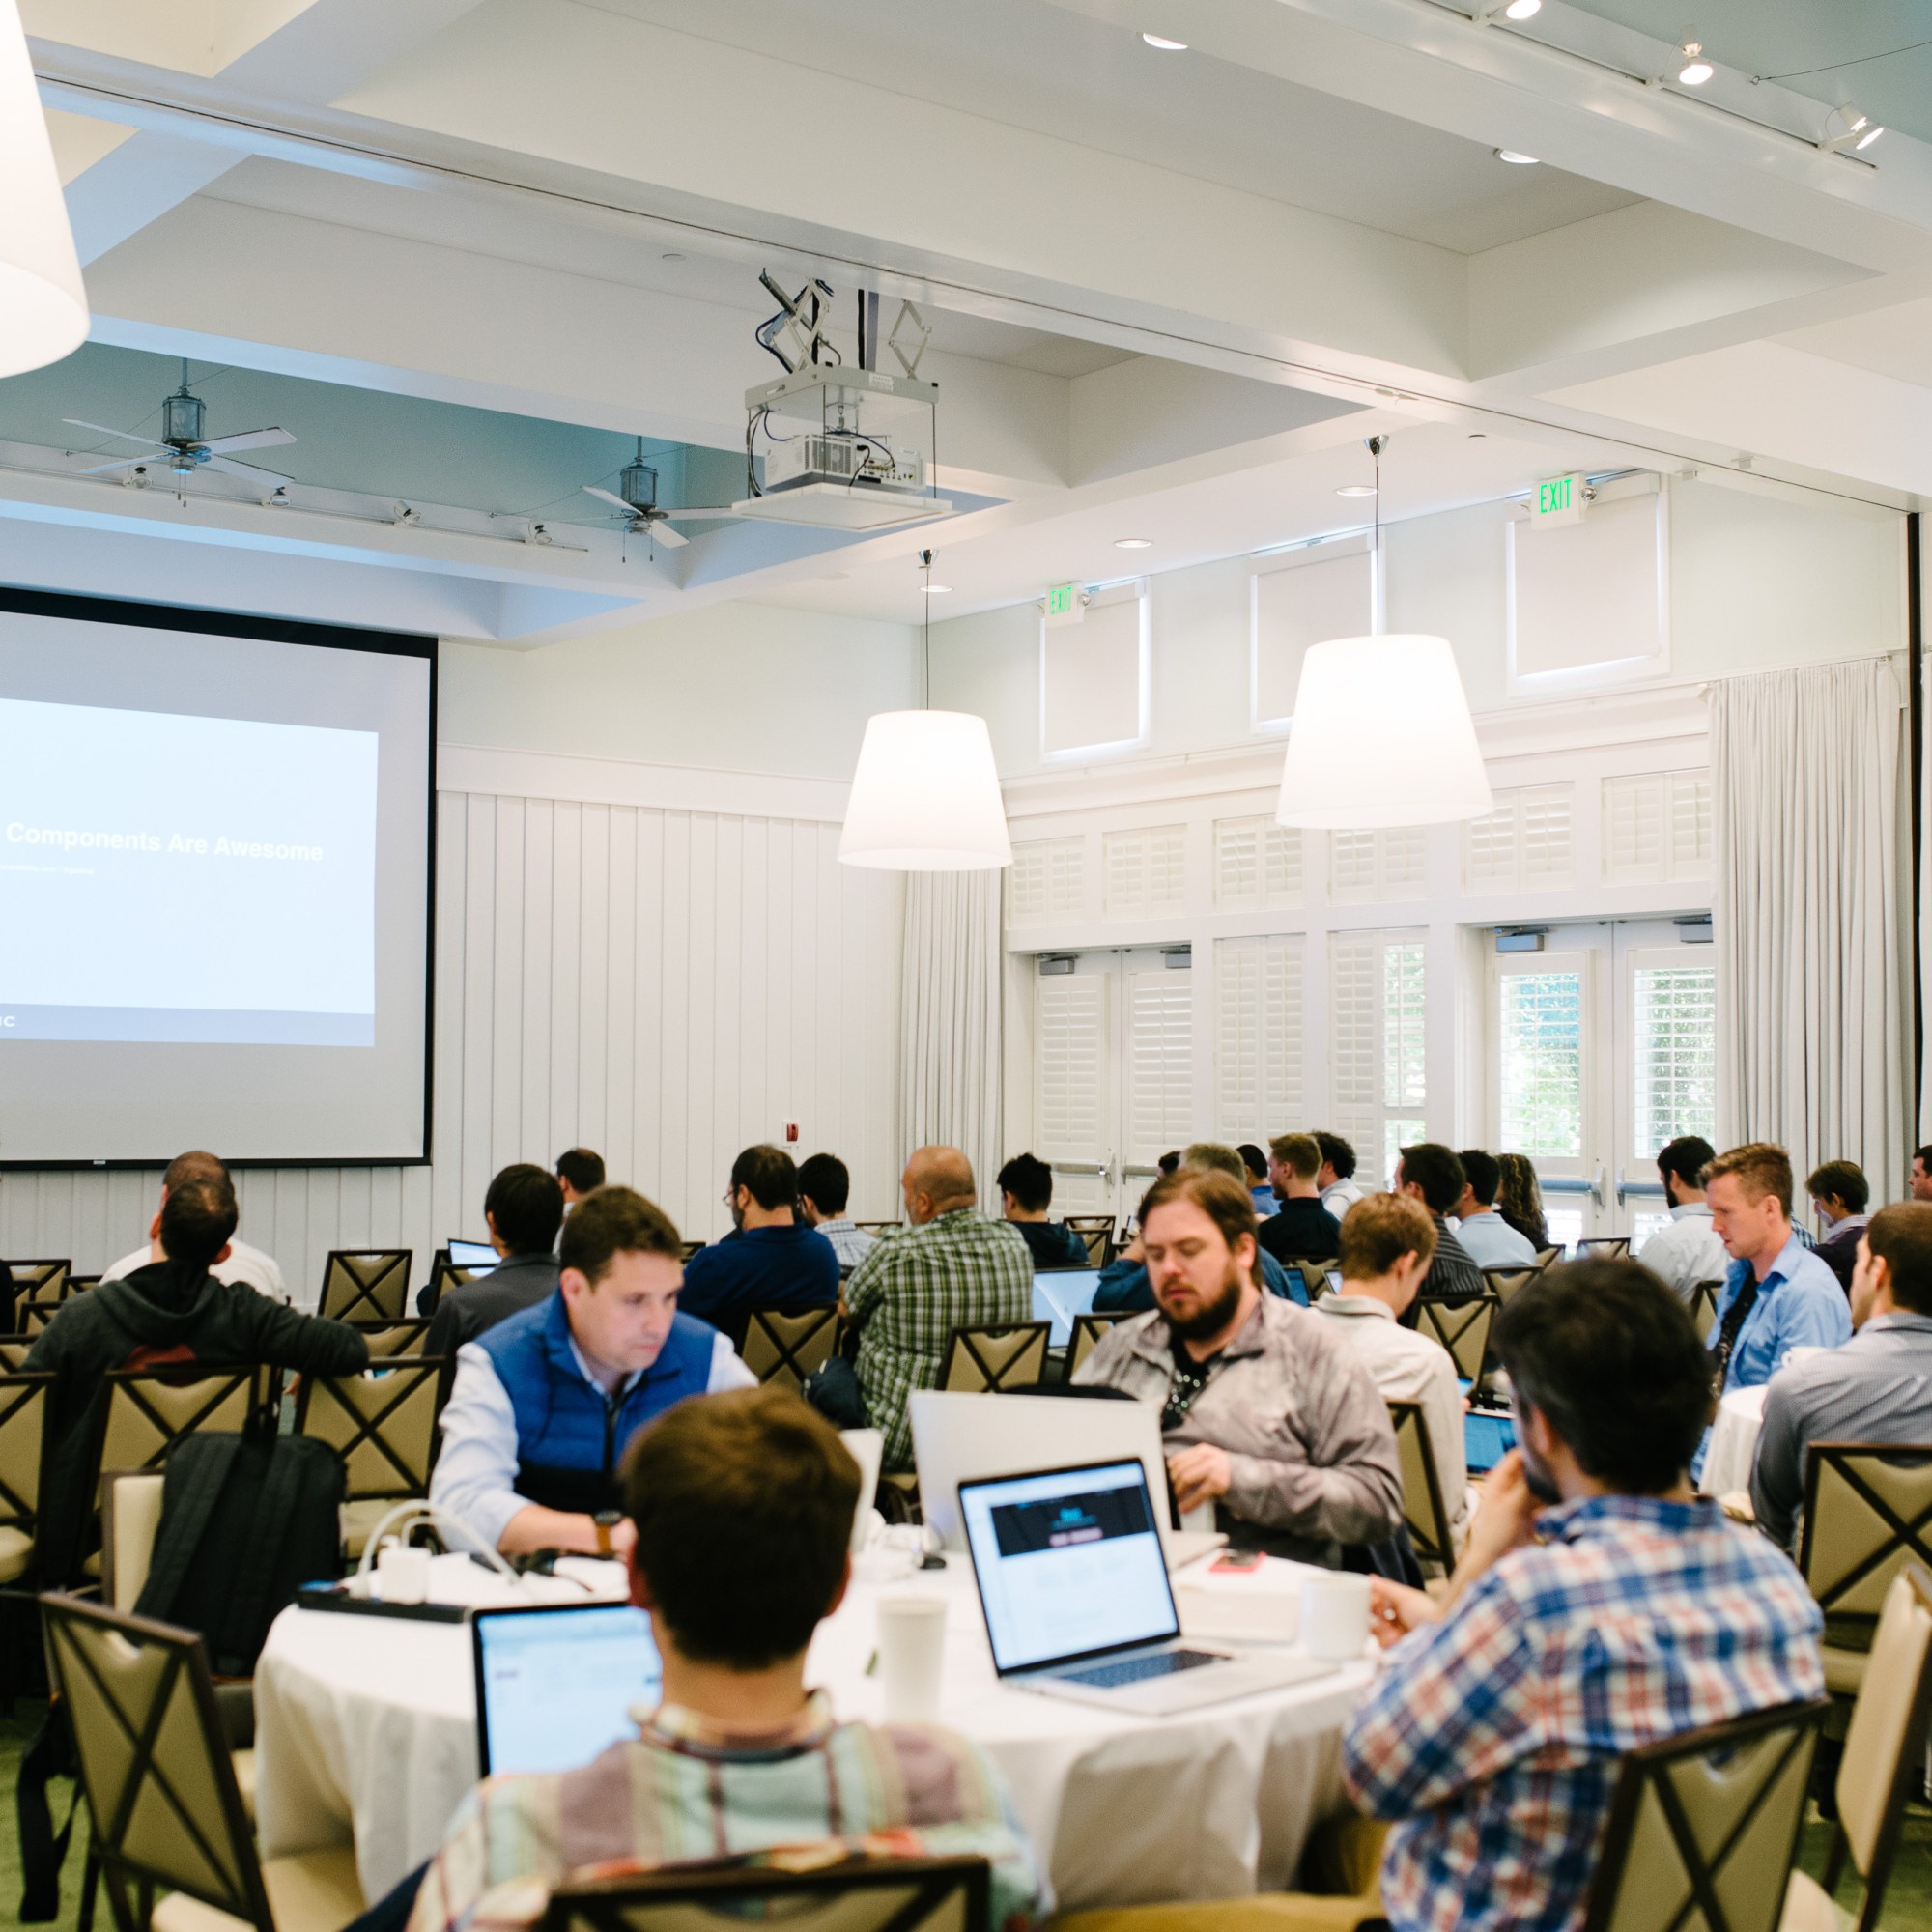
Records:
x=1908, y=1904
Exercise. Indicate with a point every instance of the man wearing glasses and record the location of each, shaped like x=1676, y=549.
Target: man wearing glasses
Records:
x=1267, y=1414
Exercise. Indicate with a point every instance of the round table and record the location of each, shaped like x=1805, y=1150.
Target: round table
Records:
x=365, y=1728
x=1727, y=1462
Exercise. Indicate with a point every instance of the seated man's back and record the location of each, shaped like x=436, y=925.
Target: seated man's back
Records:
x=1626, y=1612
x=523, y=1210
x=770, y=1260
x=173, y=1312
x=952, y=1268
x=717, y=1484
x=1877, y=1389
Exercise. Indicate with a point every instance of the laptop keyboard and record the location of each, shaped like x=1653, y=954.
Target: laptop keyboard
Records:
x=1137, y=1669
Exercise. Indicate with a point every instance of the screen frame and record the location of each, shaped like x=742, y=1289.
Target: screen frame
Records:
x=486, y=1613
x=1057, y=1664
x=128, y=611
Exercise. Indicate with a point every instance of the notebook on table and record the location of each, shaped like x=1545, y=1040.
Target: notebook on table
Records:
x=1077, y=1602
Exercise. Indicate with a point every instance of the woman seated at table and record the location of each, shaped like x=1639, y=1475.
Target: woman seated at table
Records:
x=743, y=1504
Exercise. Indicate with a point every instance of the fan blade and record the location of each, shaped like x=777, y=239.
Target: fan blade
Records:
x=118, y=434
x=249, y=439
x=247, y=471
x=120, y=463
x=662, y=533
x=698, y=513
x=605, y=495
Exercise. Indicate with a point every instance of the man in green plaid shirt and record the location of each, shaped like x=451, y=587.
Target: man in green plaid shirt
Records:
x=952, y=1268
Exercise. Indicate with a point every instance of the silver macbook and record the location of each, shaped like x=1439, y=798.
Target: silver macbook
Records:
x=1076, y=1597
x=958, y=1438
x=479, y=1257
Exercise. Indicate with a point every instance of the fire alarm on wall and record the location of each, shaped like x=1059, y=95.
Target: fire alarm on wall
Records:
x=792, y=1133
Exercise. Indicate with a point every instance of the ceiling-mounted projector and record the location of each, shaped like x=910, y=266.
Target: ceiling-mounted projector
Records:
x=847, y=449
x=843, y=448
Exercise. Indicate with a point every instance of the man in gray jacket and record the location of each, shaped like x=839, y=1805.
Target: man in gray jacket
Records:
x=1266, y=1413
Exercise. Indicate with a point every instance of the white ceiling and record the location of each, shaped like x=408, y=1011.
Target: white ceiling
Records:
x=1168, y=294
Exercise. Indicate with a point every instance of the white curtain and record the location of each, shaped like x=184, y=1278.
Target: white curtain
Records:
x=949, y=1003
x=1813, y=915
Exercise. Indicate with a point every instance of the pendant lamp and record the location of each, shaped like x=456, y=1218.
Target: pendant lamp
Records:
x=1381, y=731
x=926, y=795
x=42, y=304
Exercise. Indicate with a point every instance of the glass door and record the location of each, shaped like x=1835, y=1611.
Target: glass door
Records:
x=1603, y=1048
x=1113, y=1072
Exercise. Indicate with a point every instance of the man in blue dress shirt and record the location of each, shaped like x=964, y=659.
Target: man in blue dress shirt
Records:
x=1778, y=1295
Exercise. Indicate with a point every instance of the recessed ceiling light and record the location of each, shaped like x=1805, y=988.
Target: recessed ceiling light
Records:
x=1517, y=160
x=1133, y=543
x=670, y=255
x=1697, y=70
x=1168, y=46
x=937, y=590
x=1356, y=490
x=1478, y=434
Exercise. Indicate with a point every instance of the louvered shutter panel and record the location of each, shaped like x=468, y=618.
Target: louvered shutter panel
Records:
x=1354, y=1036
x=1352, y=867
x=1146, y=870
x=1633, y=830
x=1690, y=825
x=1026, y=884
x=1281, y=876
x=1544, y=854
x=1404, y=852
x=1675, y=1030
x=1238, y=1040
x=1488, y=849
x=1237, y=863
x=1069, y=1085
x=1160, y=1063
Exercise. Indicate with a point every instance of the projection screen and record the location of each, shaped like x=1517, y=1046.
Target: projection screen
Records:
x=217, y=852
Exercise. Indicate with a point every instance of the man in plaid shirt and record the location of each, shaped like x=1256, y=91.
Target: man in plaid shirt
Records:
x=952, y=1268
x=1600, y=1604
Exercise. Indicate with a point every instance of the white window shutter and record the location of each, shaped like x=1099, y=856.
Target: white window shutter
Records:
x=1160, y=1063
x=1146, y=870
x=1070, y=1061
x=1259, y=1048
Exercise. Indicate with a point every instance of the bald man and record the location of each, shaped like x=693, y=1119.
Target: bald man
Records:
x=954, y=1268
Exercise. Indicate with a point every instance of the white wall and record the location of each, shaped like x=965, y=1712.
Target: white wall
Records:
x=1757, y=578
x=644, y=942
x=733, y=687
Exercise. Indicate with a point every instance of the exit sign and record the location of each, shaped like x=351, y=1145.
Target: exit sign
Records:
x=1558, y=501
x=1064, y=604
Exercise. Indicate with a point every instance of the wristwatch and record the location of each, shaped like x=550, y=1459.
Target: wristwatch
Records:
x=605, y=1520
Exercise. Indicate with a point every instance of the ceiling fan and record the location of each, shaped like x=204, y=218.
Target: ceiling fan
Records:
x=183, y=415
x=638, y=498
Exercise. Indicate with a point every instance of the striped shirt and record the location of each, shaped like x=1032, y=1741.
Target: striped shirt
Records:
x=851, y=1242
x=679, y=1793
x=1494, y=1735
x=959, y=1270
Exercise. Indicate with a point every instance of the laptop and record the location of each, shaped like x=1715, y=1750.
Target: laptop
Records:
x=1058, y=1295
x=559, y=1682
x=957, y=1437
x=1077, y=1602
x=1488, y=1436
x=479, y=1257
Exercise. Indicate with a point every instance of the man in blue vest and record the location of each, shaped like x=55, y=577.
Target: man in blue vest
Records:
x=545, y=1403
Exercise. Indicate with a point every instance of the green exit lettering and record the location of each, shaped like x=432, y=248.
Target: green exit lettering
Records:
x=1552, y=495
x=1059, y=601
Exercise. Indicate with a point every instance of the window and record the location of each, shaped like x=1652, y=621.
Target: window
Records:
x=1094, y=676
x=1542, y=1071
x=1589, y=604
x=1303, y=597
x=1146, y=870
x=1674, y=1037
x=1257, y=865
x=1378, y=996
x=1258, y=1036
x=1047, y=880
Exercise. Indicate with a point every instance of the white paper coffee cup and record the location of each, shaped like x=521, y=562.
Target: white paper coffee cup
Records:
x=1335, y=1615
x=402, y=1574
x=912, y=1656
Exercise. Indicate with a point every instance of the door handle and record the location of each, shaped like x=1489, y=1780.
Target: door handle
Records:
x=1598, y=1184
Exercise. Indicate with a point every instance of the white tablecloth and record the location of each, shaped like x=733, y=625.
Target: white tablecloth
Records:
x=366, y=1727
x=1727, y=1463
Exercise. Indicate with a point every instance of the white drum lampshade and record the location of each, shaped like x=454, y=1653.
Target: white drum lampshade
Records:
x=1381, y=736
x=42, y=304
x=926, y=797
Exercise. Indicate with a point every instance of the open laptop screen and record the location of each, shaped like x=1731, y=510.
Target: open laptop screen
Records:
x=1058, y=1295
x=479, y=1256
x=1068, y=1564
x=556, y=1684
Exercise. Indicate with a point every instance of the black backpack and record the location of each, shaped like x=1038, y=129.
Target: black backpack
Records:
x=244, y=1524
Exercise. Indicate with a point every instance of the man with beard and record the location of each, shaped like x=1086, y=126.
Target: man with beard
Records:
x=1266, y=1413
x=1600, y=1605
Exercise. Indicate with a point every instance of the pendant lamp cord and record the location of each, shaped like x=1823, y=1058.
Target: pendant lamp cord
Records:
x=1375, y=563
x=926, y=633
